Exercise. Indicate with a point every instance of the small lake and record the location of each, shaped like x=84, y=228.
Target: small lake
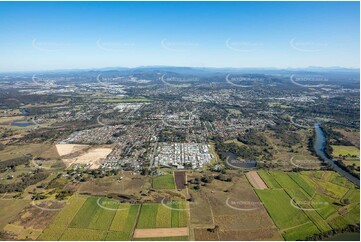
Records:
x=21, y=124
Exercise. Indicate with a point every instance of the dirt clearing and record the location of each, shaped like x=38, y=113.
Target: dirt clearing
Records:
x=83, y=154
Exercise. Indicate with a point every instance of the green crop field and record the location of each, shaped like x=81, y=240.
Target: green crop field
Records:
x=333, y=190
x=82, y=234
x=148, y=216
x=304, y=182
x=169, y=215
x=284, y=180
x=277, y=203
x=316, y=204
x=123, y=222
x=316, y=218
x=341, y=150
x=93, y=216
x=301, y=232
x=179, y=214
x=164, y=217
x=268, y=179
x=117, y=236
x=163, y=182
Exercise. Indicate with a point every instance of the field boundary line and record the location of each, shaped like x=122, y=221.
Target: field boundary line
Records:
x=136, y=222
x=175, y=184
x=281, y=187
x=191, y=231
x=296, y=226
x=214, y=223
x=110, y=224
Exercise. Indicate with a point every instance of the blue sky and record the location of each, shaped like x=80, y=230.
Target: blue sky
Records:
x=68, y=35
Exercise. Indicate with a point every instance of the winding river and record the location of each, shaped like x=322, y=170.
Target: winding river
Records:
x=320, y=151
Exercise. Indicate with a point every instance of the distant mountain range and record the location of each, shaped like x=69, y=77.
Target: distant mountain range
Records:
x=201, y=70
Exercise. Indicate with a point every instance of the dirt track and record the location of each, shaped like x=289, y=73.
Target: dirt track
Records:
x=255, y=180
x=164, y=232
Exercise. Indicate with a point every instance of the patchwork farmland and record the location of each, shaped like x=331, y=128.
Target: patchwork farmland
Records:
x=99, y=218
x=154, y=218
x=307, y=203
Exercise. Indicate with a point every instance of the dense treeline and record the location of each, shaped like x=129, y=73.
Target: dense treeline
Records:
x=329, y=234
x=253, y=138
x=349, y=169
x=328, y=148
x=311, y=143
x=244, y=152
x=282, y=132
x=12, y=163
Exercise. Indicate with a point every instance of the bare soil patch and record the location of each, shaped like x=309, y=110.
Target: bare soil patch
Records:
x=163, y=232
x=255, y=180
x=83, y=154
x=180, y=179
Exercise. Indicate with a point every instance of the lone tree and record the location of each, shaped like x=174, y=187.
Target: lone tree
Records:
x=214, y=230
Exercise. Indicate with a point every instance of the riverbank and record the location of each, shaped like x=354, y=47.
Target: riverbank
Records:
x=319, y=147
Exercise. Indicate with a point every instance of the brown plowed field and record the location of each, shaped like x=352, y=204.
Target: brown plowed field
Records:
x=180, y=179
